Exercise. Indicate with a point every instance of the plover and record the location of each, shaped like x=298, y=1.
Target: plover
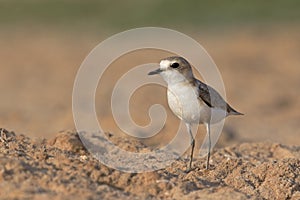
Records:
x=191, y=100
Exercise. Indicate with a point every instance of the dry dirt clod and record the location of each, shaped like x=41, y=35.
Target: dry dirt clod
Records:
x=61, y=168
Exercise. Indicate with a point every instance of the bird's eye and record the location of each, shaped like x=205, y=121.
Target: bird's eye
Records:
x=175, y=65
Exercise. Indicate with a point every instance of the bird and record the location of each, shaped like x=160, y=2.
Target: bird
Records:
x=191, y=100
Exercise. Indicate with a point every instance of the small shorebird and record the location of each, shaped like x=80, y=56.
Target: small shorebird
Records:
x=191, y=100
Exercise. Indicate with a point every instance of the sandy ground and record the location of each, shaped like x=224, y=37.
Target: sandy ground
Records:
x=61, y=168
x=256, y=157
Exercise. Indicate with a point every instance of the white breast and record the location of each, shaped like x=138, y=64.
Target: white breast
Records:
x=185, y=103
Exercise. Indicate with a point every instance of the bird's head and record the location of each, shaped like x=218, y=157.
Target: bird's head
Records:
x=174, y=69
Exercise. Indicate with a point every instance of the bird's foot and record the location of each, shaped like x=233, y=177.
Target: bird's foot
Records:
x=207, y=167
x=189, y=169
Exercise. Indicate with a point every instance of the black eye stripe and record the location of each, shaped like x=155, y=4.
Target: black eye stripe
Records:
x=174, y=65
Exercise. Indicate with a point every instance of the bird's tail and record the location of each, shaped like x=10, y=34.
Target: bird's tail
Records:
x=231, y=111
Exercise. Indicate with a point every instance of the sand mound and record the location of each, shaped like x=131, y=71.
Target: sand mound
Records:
x=61, y=168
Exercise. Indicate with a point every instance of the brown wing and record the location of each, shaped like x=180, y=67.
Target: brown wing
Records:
x=213, y=99
x=210, y=96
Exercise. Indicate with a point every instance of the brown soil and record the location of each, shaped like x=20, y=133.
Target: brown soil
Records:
x=61, y=168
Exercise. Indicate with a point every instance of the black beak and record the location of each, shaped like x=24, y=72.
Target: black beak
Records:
x=155, y=72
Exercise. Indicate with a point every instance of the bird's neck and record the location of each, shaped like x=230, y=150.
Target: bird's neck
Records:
x=174, y=78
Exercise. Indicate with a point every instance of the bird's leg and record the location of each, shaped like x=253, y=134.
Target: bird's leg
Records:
x=192, y=143
x=209, y=145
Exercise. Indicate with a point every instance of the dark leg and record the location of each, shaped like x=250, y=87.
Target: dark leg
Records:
x=192, y=143
x=209, y=145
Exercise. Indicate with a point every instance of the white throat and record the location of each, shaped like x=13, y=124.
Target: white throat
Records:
x=173, y=77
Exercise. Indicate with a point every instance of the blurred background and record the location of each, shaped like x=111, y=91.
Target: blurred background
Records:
x=255, y=44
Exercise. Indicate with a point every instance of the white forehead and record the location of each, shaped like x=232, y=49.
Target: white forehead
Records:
x=164, y=64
